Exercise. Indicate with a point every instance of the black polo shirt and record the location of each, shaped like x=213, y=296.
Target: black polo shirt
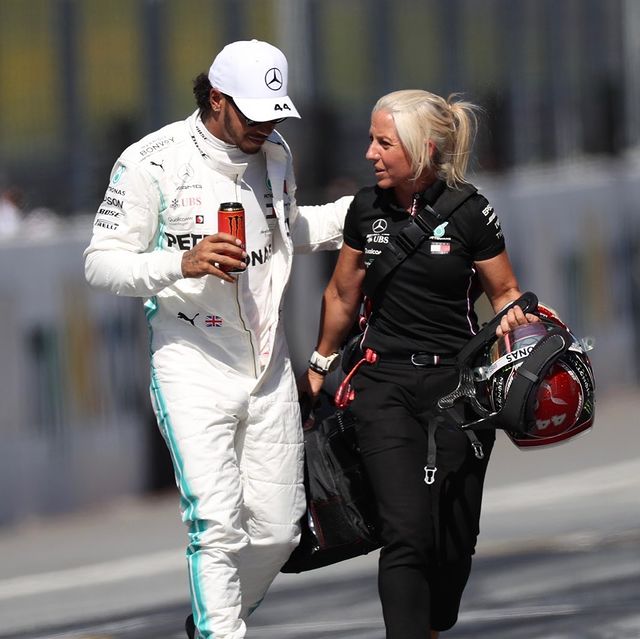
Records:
x=426, y=304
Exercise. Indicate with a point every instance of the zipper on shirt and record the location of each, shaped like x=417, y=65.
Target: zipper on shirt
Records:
x=245, y=328
x=238, y=189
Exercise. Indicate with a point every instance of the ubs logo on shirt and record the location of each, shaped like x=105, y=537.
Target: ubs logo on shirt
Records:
x=374, y=239
x=185, y=202
x=378, y=236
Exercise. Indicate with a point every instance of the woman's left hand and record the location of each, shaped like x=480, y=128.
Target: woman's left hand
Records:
x=514, y=317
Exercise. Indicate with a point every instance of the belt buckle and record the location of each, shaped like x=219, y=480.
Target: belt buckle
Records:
x=435, y=359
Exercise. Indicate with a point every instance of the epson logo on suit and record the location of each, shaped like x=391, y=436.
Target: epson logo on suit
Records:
x=112, y=201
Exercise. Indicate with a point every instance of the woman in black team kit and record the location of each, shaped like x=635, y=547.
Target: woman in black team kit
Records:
x=421, y=316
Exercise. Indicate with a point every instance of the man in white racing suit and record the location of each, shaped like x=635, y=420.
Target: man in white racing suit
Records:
x=222, y=385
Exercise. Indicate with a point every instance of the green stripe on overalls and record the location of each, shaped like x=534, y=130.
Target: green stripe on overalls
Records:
x=188, y=506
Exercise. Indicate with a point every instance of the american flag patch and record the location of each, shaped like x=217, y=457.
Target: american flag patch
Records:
x=440, y=248
x=213, y=320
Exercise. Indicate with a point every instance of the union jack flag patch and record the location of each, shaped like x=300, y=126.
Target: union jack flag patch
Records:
x=213, y=320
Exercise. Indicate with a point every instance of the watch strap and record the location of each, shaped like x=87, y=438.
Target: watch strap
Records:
x=323, y=364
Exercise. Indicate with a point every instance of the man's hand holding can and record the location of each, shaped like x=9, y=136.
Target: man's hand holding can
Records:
x=231, y=221
x=217, y=255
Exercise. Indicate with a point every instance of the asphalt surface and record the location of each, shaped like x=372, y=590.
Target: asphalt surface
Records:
x=558, y=557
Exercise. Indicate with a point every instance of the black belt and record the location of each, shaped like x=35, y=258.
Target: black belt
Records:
x=419, y=359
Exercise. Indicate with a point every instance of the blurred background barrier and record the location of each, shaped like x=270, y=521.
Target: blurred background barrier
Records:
x=557, y=155
x=73, y=382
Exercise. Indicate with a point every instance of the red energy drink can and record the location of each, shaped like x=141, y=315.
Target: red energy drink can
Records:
x=231, y=220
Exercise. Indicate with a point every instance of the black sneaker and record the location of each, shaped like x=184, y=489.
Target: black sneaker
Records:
x=190, y=627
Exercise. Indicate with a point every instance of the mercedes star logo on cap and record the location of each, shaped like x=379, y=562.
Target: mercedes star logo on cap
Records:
x=273, y=79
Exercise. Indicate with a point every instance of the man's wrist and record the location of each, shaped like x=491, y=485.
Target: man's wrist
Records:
x=322, y=364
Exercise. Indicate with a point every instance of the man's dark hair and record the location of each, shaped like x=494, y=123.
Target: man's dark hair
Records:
x=202, y=89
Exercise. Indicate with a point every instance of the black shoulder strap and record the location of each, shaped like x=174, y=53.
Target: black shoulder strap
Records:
x=413, y=234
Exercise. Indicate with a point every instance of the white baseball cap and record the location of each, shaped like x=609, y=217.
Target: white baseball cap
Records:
x=254, y=74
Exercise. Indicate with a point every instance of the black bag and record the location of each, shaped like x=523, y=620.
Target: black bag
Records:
x=340, y=519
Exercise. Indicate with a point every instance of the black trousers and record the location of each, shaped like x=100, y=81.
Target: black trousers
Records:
x=429, y=532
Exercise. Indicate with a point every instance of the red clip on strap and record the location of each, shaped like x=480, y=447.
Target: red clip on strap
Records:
x=365, y=314
x=345, y=393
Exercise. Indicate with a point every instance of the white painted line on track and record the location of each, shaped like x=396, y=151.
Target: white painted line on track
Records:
x=294, y=630
x=94, y=574
x=473, y=616
x=133, y=623
x=523, y=612
x=545, y=491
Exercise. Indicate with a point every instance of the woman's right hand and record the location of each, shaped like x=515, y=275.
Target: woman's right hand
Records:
x=309, y=387
x=315, y=382
x=310, y=384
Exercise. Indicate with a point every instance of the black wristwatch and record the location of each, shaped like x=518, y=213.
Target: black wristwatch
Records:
x=323, y=365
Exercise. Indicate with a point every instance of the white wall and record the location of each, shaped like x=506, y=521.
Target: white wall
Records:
x=72, y=382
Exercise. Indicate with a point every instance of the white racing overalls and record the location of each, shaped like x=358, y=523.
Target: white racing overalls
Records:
x=225, y=398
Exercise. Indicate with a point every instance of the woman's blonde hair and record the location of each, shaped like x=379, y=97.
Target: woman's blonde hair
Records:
x=450, y=124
